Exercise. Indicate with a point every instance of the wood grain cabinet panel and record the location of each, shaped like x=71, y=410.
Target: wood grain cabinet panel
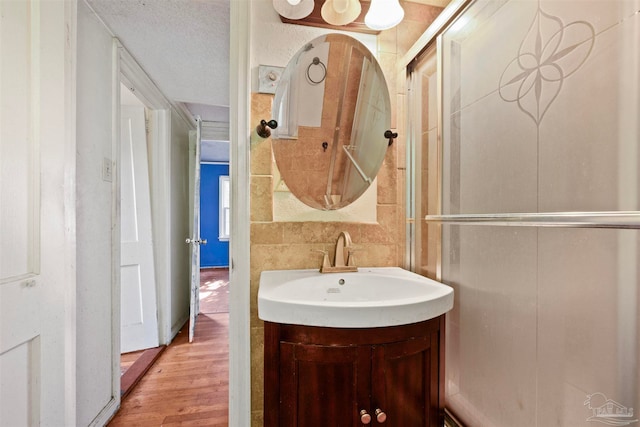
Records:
x=327, y=376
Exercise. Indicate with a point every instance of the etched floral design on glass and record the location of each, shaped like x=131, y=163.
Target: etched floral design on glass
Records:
x=550, y=52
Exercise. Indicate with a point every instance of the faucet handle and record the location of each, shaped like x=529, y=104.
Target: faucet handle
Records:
x=351, y=261
x=325, y=258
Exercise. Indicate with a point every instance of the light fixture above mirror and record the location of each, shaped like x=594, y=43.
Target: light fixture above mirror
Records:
x=384, y=14
x=366, y=16
x=340, y=12
x=294, y=9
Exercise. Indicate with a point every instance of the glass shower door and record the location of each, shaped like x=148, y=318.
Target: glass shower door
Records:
x=525, y=198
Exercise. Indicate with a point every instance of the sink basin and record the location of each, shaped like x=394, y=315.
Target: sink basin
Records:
x=370, y=297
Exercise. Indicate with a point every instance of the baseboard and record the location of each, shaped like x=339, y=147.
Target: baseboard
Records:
x=106, y=414
x=177, y=327
x=450, y=420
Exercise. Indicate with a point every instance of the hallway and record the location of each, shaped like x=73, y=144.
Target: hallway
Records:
x=189, y=383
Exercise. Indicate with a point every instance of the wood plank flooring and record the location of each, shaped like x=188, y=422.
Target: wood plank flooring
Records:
x=188, y=385
x=214, y=290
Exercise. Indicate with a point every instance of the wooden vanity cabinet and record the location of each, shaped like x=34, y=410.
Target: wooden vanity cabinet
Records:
x=322, y=377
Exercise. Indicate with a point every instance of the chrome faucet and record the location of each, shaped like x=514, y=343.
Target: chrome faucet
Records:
x=343, y=260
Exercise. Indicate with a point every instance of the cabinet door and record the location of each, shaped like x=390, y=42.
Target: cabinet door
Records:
x=323, y=385
x=405, y=382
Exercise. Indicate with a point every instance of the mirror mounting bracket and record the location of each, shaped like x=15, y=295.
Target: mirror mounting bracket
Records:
x=263, y=130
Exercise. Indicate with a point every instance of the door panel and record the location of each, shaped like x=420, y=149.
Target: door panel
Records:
x=402, y=385
x=323, y=385
x=139, y=322
x=19, y=392
x=195, y=241
x=132, y=311
x=20, y=215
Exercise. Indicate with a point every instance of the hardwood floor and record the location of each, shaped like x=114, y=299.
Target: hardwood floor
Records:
x=214, y=290
x=188, y=385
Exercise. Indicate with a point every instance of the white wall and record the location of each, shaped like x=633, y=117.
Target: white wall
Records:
x=93, y=215
x=54, y=129
x=96, y=356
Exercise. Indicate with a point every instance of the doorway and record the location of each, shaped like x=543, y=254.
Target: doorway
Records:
x=214, y=290
x=215, y=219
x=138, y=303
x=139, y=338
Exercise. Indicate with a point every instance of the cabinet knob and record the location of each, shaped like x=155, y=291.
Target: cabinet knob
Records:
x=380, y=416
x=365, y=418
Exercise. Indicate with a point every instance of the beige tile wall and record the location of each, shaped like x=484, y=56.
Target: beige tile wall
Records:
x=292, y=245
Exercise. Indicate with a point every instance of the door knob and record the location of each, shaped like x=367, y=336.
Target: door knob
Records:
x=380, y=416
x=365, y=418
x=196, y=241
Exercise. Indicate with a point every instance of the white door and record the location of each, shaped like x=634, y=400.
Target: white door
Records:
x=195, y=240
x=33, y=238
x=139, y=318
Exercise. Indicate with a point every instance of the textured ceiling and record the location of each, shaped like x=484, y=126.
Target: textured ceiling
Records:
x=183, y=45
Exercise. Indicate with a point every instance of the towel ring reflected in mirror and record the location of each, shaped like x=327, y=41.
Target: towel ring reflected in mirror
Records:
x=323, y=69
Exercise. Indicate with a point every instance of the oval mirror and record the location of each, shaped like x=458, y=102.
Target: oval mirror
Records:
x=332, y=108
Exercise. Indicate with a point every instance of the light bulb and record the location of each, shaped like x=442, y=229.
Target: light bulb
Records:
x=340, y=6
x=292, y=9
x=383, y=14
x=340, y=12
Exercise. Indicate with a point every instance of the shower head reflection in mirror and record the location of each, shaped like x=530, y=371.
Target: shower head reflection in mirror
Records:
x=349, y=109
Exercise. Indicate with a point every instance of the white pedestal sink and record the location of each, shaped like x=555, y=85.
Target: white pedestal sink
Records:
x=370, y=297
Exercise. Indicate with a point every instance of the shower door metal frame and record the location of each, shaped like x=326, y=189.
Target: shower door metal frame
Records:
x=431, y=37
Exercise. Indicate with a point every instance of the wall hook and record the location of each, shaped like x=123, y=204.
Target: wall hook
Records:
x=325, y=145
x=263, y=130
x=390, y=136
